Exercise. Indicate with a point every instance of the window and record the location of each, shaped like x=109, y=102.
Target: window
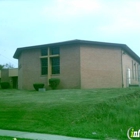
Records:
x=132, y=69
x=44, y=66
x=55, y=65
x=50, y=60
x=135, y=65
x=54, y=50
x=44, y=51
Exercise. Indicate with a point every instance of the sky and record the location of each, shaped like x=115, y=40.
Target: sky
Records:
x=34, y=22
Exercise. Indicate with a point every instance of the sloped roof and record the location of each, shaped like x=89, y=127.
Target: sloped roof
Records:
x=76, y=41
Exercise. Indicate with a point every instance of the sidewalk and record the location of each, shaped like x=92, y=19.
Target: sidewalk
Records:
x=36, y=136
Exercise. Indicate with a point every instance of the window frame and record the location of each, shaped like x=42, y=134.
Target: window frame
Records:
x=50, y=56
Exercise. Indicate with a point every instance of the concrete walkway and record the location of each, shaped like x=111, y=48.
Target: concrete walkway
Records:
x=36, y=136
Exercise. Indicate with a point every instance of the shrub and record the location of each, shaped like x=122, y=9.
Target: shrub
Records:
x=5, y=85
x=38, y=85
x=54, y=82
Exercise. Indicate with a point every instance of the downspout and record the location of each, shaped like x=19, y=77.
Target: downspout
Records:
x=122, y=68
x=80, y=68
x=49, y=66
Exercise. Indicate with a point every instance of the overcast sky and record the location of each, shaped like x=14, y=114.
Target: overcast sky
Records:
x=32, y=22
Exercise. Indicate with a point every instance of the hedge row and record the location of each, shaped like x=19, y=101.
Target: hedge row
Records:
x=53, y=83
x=5, y=85
x=37, y=86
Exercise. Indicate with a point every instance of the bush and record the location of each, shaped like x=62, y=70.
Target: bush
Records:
x=5, y=85
x=54, y=82
x=38, y=85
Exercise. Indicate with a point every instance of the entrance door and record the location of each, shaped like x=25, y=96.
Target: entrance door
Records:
x=128, y=76
x=15, y=82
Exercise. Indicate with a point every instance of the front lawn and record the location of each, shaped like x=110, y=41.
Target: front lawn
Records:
x=92, y=113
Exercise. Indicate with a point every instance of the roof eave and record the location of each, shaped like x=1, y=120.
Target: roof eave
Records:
x=123, y=46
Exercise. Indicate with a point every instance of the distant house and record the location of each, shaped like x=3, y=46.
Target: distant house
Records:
x=78, y=64
x=10, y=76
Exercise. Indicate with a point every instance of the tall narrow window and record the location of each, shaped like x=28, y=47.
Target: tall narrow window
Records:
x=133, y=70
x=138, y=72
x=55, y=65
x=44, y=66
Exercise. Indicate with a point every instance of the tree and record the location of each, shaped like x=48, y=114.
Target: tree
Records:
x=1, y=67
x=6, y=66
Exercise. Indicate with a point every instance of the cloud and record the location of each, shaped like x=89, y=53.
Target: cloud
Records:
x=61, y=9
x=29, y=22
x=122, y=18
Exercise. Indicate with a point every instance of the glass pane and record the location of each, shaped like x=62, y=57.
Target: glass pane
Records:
x=56, y=70
x=55, y=65
x=55, y=61
x=44, y=66
x=55, y=50
x=44, y=62
x=44, y=70
x=44, y=51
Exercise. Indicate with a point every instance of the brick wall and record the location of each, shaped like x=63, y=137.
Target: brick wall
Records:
x=84, y=66
x=100, y=67
x=30, y=68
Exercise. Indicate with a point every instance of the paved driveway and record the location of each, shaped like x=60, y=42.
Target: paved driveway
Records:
x=36, y=136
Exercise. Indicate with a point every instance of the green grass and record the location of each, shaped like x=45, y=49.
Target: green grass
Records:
x=92, y=113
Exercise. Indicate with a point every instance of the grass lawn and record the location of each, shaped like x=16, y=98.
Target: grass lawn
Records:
x=92, y=113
